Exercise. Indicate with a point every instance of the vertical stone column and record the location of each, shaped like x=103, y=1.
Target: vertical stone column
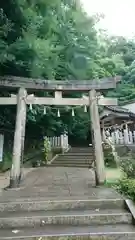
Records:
x=24, y=110
x=1, y=146
x=18, y=138
x=95, y=121
x=62, y=142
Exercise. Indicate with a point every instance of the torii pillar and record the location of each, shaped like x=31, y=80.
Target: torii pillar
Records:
x=19, y=135
x=97, y=139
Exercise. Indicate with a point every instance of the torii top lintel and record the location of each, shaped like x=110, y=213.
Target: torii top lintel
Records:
x=52, y=85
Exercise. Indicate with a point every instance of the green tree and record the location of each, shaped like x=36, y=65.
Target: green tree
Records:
x=57, y=40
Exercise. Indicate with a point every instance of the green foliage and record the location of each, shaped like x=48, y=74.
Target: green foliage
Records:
x=126, y=187
x=128, y=165
x=57, y=40
x=52, y=40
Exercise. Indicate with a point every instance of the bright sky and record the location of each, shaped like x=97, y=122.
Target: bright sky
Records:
x=119, y=15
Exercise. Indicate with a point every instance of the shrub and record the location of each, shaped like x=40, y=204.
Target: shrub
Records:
x=126, y=186
x=46, y=154
x=128, y=165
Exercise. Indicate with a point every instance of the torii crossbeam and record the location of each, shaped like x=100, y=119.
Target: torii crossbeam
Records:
x=22, y=99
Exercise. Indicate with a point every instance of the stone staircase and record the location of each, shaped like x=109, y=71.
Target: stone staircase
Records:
x=32, y=219
x=75, y=157
x=60, y=203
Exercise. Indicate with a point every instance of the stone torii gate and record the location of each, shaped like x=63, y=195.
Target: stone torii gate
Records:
x=22, y=99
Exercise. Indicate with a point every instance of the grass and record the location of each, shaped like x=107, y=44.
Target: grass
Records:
x=112, y=176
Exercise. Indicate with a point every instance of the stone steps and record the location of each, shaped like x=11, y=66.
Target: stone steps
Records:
x=36, y=204
x=43, y=218
x=68, y=161
x=71, y=159
x=49, y=209
x=76, y=157
x=86, y=219
x=60, y=191
x=70, y=164
x=84, y=157
x=81, y=150
x=77, y=154
x=110, y=232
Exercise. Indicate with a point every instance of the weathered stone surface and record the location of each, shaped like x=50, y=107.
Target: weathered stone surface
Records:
x=42, y=205
x=76, y=157
x=119, y=232
x=74, y=218
x=58, y=183
x=63, y=189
